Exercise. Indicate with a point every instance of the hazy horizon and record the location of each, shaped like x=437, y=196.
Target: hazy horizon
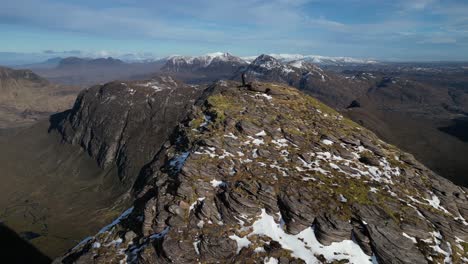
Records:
x=417, y=30
x=19, y=59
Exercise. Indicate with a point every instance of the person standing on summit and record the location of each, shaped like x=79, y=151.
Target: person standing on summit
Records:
x=243, y=79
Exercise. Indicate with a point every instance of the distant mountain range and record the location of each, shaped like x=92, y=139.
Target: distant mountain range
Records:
x=213, y=61
x=317, y=59
x=129, y=58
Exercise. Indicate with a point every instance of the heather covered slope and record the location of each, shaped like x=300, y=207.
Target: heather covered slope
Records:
x=270, y=174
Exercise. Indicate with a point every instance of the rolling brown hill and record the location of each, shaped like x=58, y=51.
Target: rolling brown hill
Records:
x=26, y=97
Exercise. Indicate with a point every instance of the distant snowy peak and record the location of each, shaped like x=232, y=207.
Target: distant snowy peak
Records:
x=288, y=57
x=317, y=59
x=268, y=68
x=266, y=61
x=269, y=62
x=205, y=60
x=304, y=65
x=266, y=64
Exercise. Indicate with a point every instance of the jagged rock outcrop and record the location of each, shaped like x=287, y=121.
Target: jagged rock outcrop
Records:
x=126, y=123
x=278, y=177
x=331, y=88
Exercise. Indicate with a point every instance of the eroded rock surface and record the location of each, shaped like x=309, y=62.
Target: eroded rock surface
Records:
x=278, y=177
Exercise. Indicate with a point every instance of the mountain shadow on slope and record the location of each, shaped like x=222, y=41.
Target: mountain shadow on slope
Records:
x=458, y=129
x=13, y=249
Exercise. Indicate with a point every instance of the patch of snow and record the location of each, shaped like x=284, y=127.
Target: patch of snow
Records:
x=195, y=245
x=200, y=224
x=305, y=245
x=342, y=199
x=116, y=242
x=254, y=153
x=287, y=70
x=327, y=142
x=270, y=260
x=280, y=143
x=461, y=219
x=259, y=250
x=297, y=64
x=96, y=245
x=413, y=239
x=155, y=85
x=201, y=199
x=281, y=169
x=258, y=142
x=231, y=135
x=308, y=179
x=215, y=183
x=261, y=133
x=242, y=242
x=225, y=154
x=208, y=151
x=268, y=97
x=435, y=202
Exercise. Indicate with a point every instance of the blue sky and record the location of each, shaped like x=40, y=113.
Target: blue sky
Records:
x=380, y=29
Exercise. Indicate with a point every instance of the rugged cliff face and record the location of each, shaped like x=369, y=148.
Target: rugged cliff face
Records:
x=268, y=174
x=126, y=123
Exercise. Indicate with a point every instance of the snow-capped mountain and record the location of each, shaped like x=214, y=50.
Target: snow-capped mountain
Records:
x=208, y=67
x=330, y=87
x=317, y=59
x=266, y=67
x=178, y=63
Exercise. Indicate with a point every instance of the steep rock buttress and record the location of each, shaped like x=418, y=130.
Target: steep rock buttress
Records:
x=126, y=123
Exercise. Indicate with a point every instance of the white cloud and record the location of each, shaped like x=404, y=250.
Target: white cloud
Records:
x=416, y=4
x=257, y=25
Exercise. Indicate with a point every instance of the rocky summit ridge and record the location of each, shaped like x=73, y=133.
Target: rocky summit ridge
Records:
x=268, y=174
